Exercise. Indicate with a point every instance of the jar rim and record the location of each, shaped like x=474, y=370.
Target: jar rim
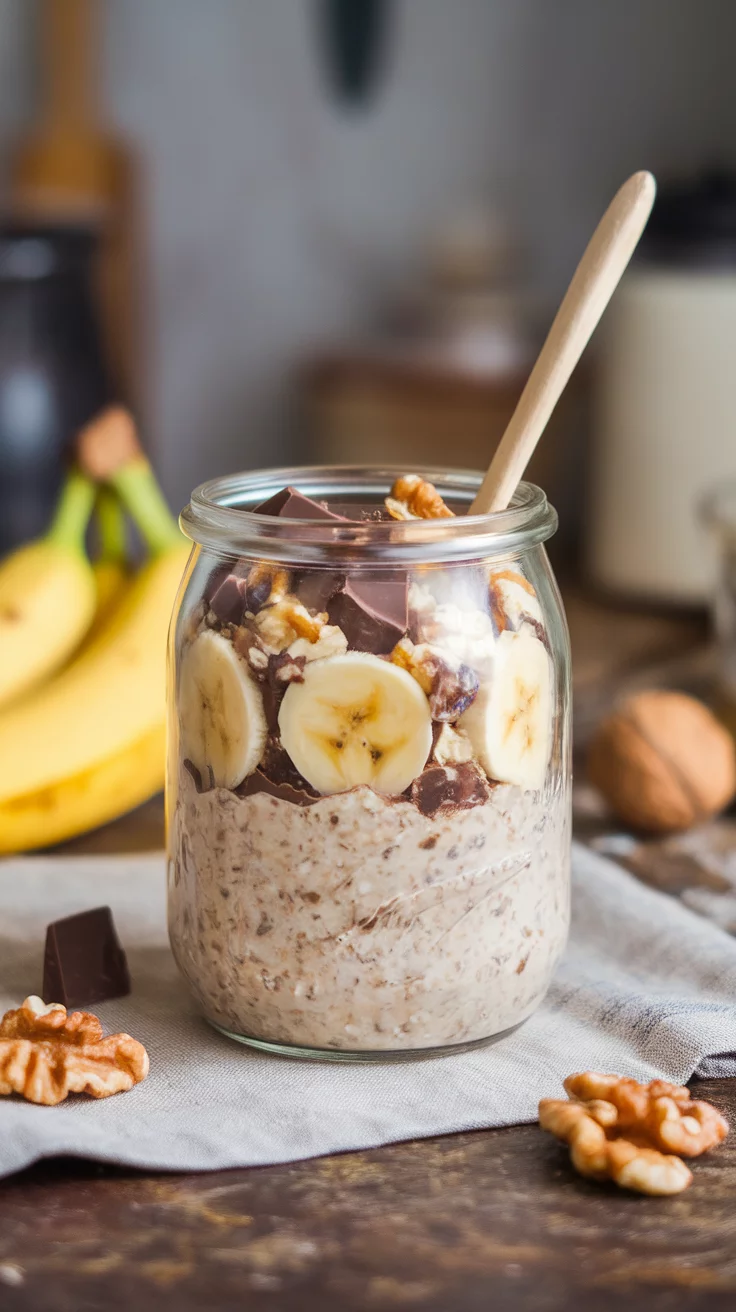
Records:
x=220, y=517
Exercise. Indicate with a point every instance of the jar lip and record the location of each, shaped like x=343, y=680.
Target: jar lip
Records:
x=218, y=517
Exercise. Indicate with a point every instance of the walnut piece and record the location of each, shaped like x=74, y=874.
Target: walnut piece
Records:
x=666, y=1113
x=620, y=1130
x=450, y=685
x=47, y=1053
x=413, y=497
x=453, y=747
x=281, y=624
x=663, y=762
x=513, y=600
x=331, y=641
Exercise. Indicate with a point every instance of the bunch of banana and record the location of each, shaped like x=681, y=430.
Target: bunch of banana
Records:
x=89, y=744
x=47, y=595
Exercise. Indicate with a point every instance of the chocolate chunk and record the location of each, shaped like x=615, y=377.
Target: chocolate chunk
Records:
x=315, y=588
x=192, y=770
x=289, y=503
x=83, y=961
x=278, y=767
x=282, y=669
x=228, y=601
x=216, y=577
x=372, y=613
x=258, y=782
x=458, y=786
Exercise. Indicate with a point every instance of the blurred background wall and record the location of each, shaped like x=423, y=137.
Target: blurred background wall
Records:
x=276, y=220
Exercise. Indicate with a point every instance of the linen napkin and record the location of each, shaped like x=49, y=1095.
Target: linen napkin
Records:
x=647, y=988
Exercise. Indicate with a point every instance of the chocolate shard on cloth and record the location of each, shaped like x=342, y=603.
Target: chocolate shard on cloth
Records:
x=372, y=613
x=83, y=960
x=290, y=503
x=439, y=786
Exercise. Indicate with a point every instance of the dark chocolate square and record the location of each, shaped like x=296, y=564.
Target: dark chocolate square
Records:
x=372, y=613
x=289, y=503
x=83, y=961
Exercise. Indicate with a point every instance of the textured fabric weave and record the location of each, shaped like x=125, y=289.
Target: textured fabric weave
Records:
x=646, y=988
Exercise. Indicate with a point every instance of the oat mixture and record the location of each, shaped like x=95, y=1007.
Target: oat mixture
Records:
x=360, y=923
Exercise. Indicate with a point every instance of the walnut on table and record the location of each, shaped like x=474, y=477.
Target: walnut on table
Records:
x=412, y=497
x=663, y=762
x=47, y=1053
x=620, y=1130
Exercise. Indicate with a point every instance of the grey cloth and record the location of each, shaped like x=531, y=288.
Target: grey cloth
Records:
x=647, y=988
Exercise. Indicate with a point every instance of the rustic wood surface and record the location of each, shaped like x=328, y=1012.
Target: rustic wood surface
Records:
x=494, y=1219
x=464, y=1223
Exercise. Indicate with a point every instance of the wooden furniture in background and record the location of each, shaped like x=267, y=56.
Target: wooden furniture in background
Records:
x=377, y=407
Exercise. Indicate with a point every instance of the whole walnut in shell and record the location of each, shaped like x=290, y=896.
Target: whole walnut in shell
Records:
x=663, y=762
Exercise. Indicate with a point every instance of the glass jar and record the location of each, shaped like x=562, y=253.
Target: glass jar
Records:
x=368, y=791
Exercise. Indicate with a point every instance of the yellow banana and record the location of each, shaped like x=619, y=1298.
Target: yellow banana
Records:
x=109, y=697
x=47, y=595
x=89, y=745
x=87, y=799
x=110, y=581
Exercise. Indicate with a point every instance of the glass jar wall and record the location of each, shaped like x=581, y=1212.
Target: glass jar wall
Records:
x=368, y=785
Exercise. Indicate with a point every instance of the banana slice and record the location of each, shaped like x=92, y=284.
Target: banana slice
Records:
x=510, y=722
x=356, y=720
x=223, y=723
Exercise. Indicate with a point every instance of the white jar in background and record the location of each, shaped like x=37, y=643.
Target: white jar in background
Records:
x=665, y=401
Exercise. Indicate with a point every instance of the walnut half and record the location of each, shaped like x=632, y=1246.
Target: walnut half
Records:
x=620, y=1130
x=413, y=497
x=47, y=1053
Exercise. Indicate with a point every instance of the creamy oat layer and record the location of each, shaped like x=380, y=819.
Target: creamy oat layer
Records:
x=360, y=923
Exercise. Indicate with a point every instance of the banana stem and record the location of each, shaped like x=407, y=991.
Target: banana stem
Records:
x=73, y=511
x=141, y=495
x=111, y=527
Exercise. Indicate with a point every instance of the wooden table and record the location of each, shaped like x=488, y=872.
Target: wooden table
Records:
x=489, y=1220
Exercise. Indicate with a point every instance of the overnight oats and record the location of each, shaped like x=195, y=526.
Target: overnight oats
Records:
x=368, y=781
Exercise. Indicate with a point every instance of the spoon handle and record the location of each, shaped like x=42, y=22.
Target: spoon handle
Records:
x=594, y=282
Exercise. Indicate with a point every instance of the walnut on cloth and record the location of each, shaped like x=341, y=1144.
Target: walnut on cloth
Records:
x=620, y=1130
x=47, y=1053
x=413, y=497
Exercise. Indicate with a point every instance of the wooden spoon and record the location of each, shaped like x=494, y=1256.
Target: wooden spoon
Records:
x=594, y=282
